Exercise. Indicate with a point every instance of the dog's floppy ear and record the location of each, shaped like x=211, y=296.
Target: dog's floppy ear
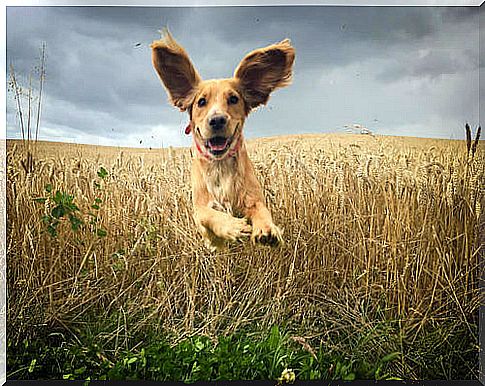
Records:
x=264, y=70
x=175, y=70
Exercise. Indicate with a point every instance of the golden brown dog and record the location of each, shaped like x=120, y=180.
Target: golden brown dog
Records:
x=225, y=191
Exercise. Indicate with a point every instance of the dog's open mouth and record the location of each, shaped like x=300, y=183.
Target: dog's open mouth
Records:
x=218, y=145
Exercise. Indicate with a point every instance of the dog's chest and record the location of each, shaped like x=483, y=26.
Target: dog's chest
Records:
x=222, y=183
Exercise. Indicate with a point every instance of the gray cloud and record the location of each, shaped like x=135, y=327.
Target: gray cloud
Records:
x=430, y=63
x=353, y=64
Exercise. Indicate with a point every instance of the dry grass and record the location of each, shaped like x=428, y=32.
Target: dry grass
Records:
x=373, y=226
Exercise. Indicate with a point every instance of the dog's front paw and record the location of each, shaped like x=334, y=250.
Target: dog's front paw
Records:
x=234, y=229
x=267, y=234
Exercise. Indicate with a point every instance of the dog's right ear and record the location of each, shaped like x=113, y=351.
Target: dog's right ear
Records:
x=175, y=70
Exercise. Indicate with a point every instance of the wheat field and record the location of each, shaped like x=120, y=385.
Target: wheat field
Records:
x=375, y=228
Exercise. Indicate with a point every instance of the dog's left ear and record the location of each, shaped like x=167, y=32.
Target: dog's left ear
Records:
x=264, y=70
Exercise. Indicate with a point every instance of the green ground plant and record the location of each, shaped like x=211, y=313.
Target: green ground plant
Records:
x=240, y=356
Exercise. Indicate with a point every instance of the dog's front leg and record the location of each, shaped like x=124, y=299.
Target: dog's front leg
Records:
x=254, y=209
x=264, y=230
x=217, y=227
x=214, y=225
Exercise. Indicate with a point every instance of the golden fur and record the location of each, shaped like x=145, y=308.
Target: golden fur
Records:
x=227, y=197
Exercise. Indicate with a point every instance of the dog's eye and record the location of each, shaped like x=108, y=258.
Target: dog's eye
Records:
x=233, y=100
x=202, y=102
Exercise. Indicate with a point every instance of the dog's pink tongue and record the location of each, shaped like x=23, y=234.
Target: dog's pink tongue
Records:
x=218, y=145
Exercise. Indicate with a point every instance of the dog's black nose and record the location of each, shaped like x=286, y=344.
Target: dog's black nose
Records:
x=218, y=122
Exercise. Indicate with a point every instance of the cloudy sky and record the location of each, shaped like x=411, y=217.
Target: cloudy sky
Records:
x=397, y=70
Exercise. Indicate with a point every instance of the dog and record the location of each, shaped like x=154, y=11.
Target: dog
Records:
x=227, y=197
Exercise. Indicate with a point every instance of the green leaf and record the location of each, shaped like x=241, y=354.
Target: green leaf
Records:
x=94, y=206
x=132, y=360
x=102, y=173
x=314, y=374
x=32, y=365
x=199, y=346
x=72, y=207
x=58, y=212
x=101, y=232
x=75, y=222
x=98, y=200
x=58, y=197
x=81, y=370
x=52, y=230
x=390, y=357
x=48, y=188
x=349, y=377
x=377, y=374
x=41, y=200
x=66, y=198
